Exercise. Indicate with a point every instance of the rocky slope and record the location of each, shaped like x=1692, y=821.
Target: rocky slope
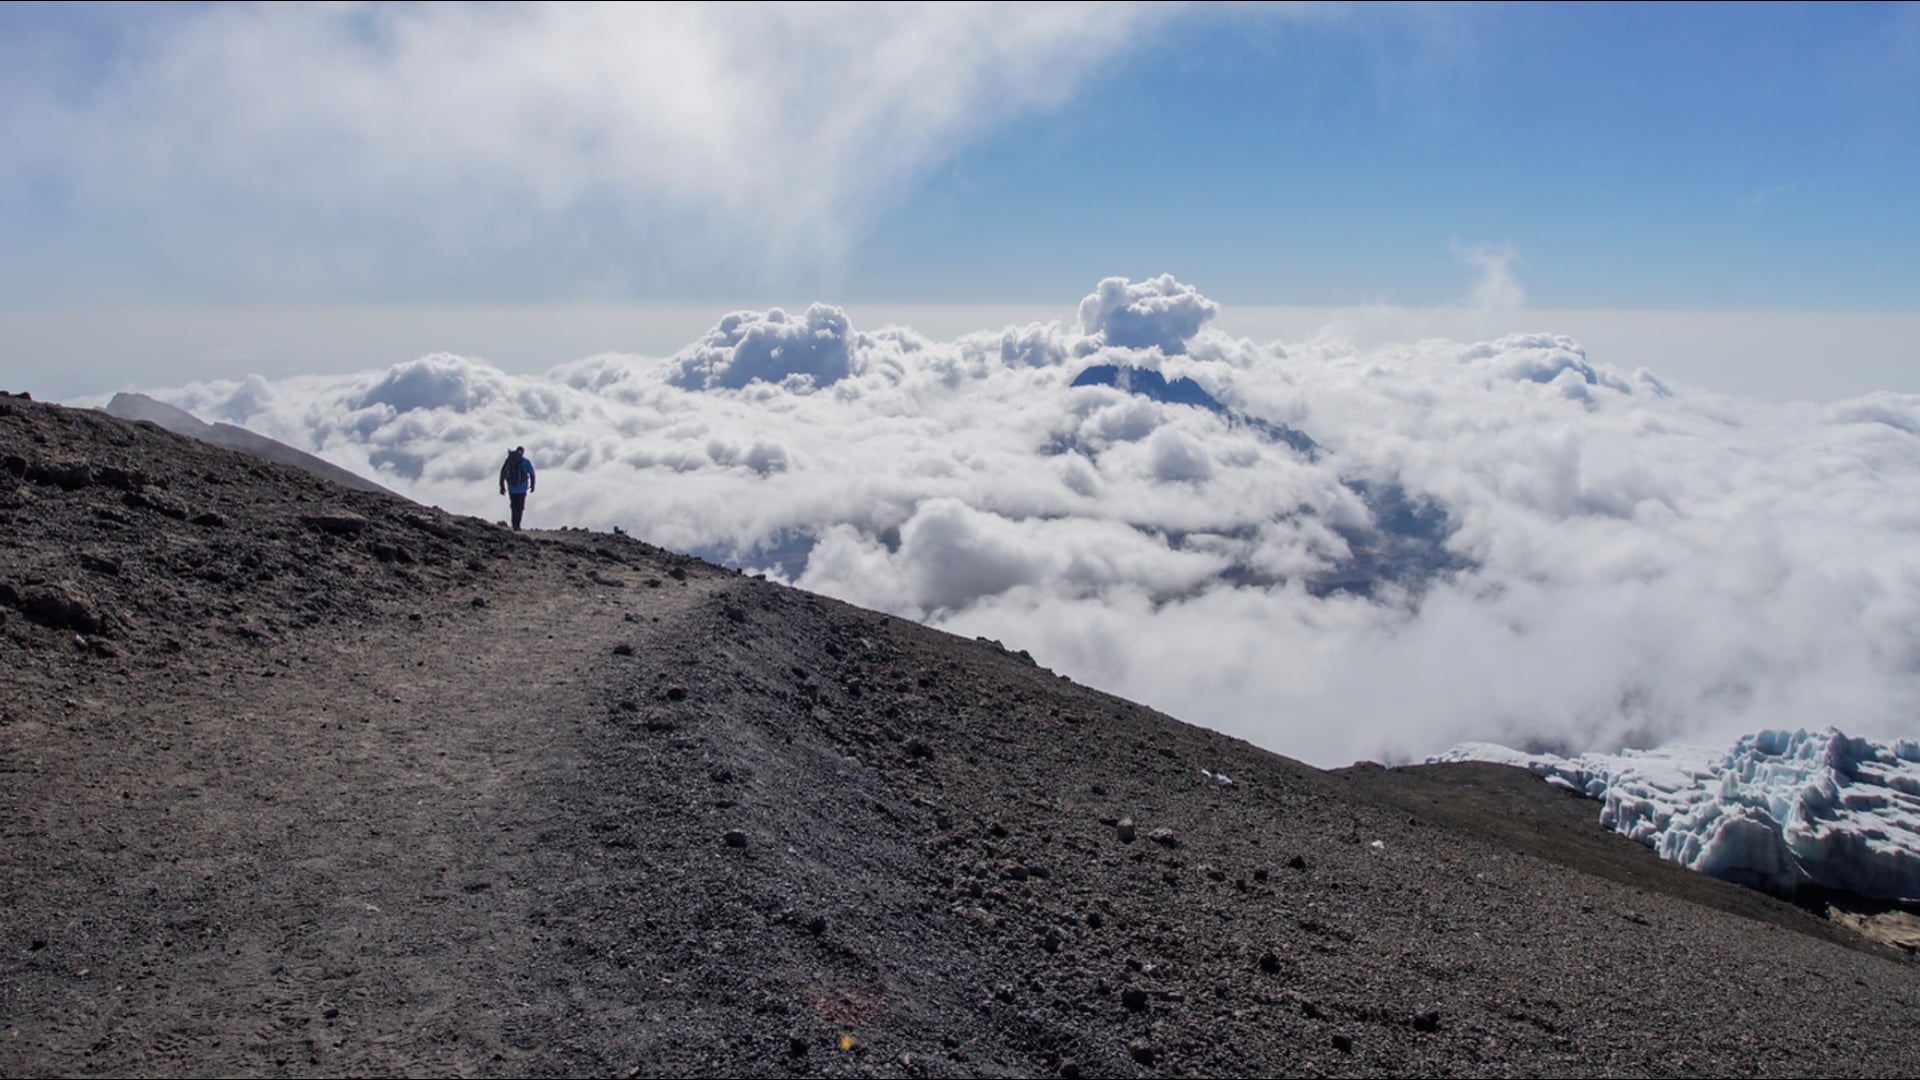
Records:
x=129, y=406
x=308, y=781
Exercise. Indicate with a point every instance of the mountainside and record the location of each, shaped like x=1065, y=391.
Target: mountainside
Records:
x=310, y=781
x=181, y=422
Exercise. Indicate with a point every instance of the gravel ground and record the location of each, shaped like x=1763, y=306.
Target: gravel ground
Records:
x=301, y=781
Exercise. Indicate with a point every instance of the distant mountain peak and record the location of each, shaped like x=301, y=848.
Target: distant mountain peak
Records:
x=126, y=406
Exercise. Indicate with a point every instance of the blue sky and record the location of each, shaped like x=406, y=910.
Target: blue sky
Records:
x=1667, y=156
x=1736, y=158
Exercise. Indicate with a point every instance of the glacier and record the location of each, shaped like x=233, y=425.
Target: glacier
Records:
x=1780, y=811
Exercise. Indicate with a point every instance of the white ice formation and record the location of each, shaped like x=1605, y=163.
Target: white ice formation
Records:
x=1781, y=810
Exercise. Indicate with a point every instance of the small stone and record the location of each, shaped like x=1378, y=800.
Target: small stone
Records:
x=63, y=607
x=735, y=838
x=1126, y=830
x=100, y=564
x=122, y=479
x=676, y=693
x=338, y=523
x=393, y=553
x=1070, y=1070
x=1141, y=1051
x=796, y=1046
x=1343, y=1042
x=1133, y=998
x=1426, y=1020
x=1164, y=837
x=623, y=649
x=1270, y=963
x=1298, y=862
x=67, y=475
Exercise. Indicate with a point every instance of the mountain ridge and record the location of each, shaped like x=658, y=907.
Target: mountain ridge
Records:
x=311, y=781
x=131, y=406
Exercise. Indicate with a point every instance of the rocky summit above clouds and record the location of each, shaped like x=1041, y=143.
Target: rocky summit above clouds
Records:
x=312, y=781
x=129, y=406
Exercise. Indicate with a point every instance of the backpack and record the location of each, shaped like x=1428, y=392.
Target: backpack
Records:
x=514, y=472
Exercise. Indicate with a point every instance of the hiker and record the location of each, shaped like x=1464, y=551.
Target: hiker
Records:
x=516, y=481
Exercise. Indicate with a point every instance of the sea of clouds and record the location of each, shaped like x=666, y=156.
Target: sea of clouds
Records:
x=1336, y=553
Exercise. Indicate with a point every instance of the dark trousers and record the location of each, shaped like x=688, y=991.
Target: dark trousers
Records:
x=518, y=501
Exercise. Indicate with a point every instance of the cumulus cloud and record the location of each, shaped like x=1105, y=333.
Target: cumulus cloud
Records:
x=1336, y=552
x=1157, y=313
x=774, y=347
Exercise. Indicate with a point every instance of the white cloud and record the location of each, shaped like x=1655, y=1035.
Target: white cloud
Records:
x=1157, y=313
x=1505, y=540
x=1497, y=288
x=773, y=347
x=767, y=132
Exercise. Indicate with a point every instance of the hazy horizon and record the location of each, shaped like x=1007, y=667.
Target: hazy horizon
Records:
x=86, y=355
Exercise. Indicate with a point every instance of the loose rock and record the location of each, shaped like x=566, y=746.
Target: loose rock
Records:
x=337, y=523
x=63, y=606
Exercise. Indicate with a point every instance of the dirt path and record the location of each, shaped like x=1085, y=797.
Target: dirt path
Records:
x=238, y=904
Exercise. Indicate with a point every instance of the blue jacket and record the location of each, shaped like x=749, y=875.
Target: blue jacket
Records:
x=518, y=481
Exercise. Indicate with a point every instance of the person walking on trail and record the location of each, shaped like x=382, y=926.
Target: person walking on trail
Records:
x=516, y=481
